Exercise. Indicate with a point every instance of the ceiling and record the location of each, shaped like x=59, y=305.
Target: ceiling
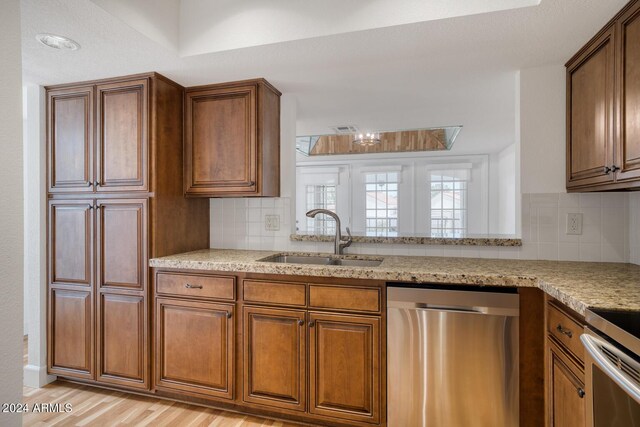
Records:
x=381, y=67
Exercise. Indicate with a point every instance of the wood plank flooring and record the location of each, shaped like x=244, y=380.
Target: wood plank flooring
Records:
x=96, y=407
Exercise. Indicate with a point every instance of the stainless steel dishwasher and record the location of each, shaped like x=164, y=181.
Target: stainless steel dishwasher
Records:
x=452, y=357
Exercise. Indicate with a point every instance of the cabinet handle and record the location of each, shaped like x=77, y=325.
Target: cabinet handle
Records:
x=614, y=168
x=229, y=315
x=564, y=331
x=98, y=206
x=97, y=184
x=90, y=206
x=89, y=184
x=312, y=324
x=190, y=286
x=300, y=322
x=607, y=170
x=580, y=392
x=252, y=183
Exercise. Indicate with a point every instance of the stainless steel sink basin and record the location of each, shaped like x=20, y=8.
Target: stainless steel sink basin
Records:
x=322, y=260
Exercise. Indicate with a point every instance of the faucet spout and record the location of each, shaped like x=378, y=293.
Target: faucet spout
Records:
x=339, y=242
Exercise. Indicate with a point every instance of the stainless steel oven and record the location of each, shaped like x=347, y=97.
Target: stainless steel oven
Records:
x=612, y=368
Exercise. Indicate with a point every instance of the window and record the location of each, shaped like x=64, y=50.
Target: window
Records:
x=449, y=203
x=381, y=218
x=321, y=197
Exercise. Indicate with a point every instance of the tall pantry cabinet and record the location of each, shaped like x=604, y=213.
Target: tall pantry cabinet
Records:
x=115, y=199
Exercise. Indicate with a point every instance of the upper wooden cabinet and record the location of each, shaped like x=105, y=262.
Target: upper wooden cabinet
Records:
x=603, y=108
x=232, y=140
x=70, y=133
x=122, y=136
x=109, y=154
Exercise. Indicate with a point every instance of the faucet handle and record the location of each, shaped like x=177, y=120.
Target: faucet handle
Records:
x=347, y=240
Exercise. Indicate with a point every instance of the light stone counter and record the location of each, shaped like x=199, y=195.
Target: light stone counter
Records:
x=577, y=284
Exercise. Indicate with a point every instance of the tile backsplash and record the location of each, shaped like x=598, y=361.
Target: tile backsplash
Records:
x=610, y=231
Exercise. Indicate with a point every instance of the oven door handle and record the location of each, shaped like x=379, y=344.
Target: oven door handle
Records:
x=593, y=347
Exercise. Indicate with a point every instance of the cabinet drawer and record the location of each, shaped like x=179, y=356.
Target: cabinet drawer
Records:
x=193, y=285
x=566, y=330
x=344, y=298
x=264, y=291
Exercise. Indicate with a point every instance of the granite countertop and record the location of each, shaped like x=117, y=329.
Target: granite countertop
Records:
x=580, y=285
x=498, y=240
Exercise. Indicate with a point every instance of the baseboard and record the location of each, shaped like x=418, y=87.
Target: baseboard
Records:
x=36, y=376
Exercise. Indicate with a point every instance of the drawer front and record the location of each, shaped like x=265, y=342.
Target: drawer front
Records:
x=285, y=293
x=344, y=298
x=566, y=330
x=193, y=285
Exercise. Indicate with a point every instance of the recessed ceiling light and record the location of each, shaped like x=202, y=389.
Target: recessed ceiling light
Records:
x=57, y=42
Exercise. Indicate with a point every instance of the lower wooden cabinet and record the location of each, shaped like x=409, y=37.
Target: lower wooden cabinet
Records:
x=71, y=333
x=122, y=340
x=344, y=366
x=566, y=403
x=275, y=357
x=195, y=347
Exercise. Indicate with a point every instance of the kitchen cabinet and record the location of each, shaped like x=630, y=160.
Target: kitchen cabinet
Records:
x=115, y=198
x=195, y=347
x=275, y=357
x=603, y=106
x=344, y=366
x=232, y=140
x=70, y=331
x=564, y=366
x=122, y=136
x=70, y=135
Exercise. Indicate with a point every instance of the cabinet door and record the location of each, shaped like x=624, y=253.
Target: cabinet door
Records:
x=628, y=154
x=122, y=145
x=122, y=340
x=71, y=242
x=195, y=347
x=70, y=333
x=344, y=366
x=590, y=114
x=122, y=243
x=70, y=139
x=220, y=143
x=275, y=357
x=566, y=403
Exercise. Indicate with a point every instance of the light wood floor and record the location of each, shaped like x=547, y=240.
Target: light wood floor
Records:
x=96, y=407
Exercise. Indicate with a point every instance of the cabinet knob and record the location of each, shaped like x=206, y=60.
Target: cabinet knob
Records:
x=252, y=183
x=89, y=184
x=190, y=286
x=229, y=315
x=614, y=168
x=607, y=170
x=97, y=184
x=312, y=324
x=301, y=322
x=580, y=393
x=564, y=331
x=90, y=206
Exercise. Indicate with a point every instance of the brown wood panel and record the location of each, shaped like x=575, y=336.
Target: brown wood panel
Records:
x=531, y=341
x=628, y=53
x=122, y=243
x=70, y=139
x=566, y=330
x=195, y=347
x=565, y=381
x=177, y=224
x=275, y=357
x=269, y=140
x=122, y=137
x=344, y=366
x=590, y=114
x=272, y=292
x=195, y=285
x=347, y=298
x=390, y=142
x=122, y=342
x=70, y=333
x=71, y=242
x=221, y=139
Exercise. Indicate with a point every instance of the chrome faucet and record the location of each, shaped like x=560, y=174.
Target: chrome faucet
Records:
x=338, y=245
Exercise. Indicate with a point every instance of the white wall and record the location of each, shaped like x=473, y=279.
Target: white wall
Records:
x=507, y=192
x=11, y=194
x=542, y=130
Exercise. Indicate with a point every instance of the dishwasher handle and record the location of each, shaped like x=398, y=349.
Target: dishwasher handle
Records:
x=452, y=308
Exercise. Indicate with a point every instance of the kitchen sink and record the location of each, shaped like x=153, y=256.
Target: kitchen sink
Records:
x=322, y=260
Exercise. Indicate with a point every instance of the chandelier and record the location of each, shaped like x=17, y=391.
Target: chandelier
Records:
x=367, y=139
